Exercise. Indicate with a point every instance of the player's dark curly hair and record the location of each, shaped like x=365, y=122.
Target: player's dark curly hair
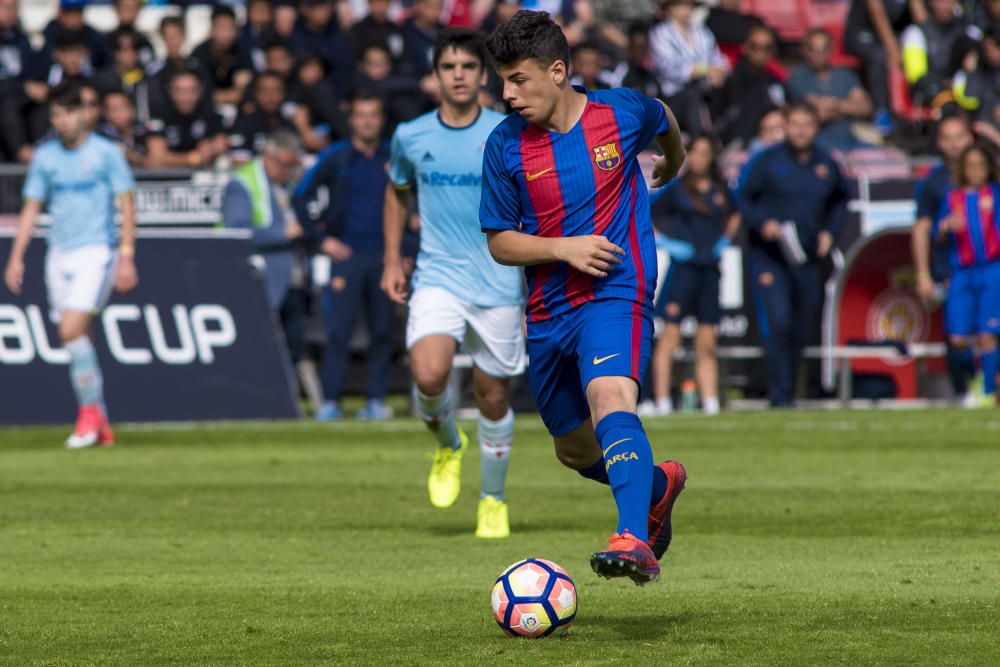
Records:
x=460, y=39
x=528, y=35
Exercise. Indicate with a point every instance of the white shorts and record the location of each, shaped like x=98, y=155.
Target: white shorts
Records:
x=493, y=336
x=79, y=278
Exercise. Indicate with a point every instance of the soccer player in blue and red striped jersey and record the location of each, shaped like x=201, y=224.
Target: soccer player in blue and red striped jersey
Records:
x=563, y=196
x=969, y=222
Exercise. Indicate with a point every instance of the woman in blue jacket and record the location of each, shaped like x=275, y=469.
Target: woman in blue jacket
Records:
x=701, y=222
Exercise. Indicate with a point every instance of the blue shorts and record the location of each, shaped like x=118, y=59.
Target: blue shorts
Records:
x=611, y=337
x=973, y=302
x=690, y=289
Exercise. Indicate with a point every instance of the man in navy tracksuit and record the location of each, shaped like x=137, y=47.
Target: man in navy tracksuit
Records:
x=794, y=201
x=354, y=175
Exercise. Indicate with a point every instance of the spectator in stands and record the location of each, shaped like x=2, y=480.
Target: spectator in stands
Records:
x=227, y=63
x=835, y=93
x=189, y=133
x=985, y=17
x=120, y=125
x=162, y=71
x=15, y=60
x=751, y=91
x=931, y=51
x=770, y=131
x=286, y=15
x=977, y=86
x=689, y=65
x=794, y=199
x=257, y=32
x=354, y=174
x=317, y=33
x=587, y=67
x=125, y=72
x=930, y=260
x=419, y=31
x=314, y=91
x=70, y=63
x=128, y=14
x=257, y=198
x=268, y=111
x=639, y=75
x=403, y=95
x=70, y=19
x=378, y=29
x=871, y=33
x=701, y=221
x=278, y=58
x=731, y=26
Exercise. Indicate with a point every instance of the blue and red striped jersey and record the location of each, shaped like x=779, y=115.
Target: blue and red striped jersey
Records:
x=586, y=181
x=977, y=242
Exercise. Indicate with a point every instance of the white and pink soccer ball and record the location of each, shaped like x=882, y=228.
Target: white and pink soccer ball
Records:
x=533, y=598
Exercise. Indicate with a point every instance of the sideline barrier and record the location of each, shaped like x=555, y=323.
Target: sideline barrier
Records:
x=194, y=341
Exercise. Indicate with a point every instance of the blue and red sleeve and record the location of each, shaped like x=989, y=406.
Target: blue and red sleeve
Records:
x=499, y=206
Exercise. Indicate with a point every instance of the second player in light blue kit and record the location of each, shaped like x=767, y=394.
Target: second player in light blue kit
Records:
x=460, y=295
x=81, y=177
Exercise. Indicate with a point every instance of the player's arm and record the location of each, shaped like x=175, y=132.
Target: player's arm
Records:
x=397, y=204
x=920, y=246
x=126, y=276
x=665, y=168
x=14, y=273
x=593, y=255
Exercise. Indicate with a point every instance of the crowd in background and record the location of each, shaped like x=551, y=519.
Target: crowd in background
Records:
x=335, y=77
x=296, y=64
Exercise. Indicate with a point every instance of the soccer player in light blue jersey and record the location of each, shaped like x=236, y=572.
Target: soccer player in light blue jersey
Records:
x=81, y=176
x=460, y=295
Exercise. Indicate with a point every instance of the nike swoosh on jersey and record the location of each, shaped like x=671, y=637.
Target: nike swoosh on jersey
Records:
x=616, y=442
x=601, y=360
x=529, y=176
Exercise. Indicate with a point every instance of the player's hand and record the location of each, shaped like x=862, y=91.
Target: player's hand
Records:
x=394, y=281
x=771, y=231
x=126, y=277
x=925, y=287
x=13, y=276
x=593, y=255
x=664, y=170
x=336, y=249
x=953, y=223
x=293, y=230
x=824, y=244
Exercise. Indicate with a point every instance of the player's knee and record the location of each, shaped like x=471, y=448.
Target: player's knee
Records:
x=492, y=401
x=571, y=455
x=706, y=346
x=959, y=342
x=430, y=382
x=70, y=330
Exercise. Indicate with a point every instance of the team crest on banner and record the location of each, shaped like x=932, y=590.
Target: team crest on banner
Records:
x=607, y=156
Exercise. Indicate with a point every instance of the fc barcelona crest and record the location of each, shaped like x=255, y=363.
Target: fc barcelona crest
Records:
x=607, y=156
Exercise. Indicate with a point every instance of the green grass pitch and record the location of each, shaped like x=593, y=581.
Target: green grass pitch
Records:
x=802, y=538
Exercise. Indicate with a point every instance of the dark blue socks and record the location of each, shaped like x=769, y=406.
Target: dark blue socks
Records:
x=628, y=462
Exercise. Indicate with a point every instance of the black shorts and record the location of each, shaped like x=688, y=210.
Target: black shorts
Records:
x=690, y=290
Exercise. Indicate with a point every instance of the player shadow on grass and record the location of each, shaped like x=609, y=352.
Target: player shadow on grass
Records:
x=643, y=626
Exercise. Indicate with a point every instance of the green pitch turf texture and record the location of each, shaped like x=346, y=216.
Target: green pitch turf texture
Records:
x=802, y=538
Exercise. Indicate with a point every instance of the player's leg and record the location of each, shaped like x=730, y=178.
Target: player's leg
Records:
x=807, y=301
x=961, y=323
x=495, y=341
x=381, y=316
x=709, y=313
x=79, y=282
x=613, y=353
x=674, y=299
x=496, y=437
x=773, y=295
x=434, y=330
x=989, y=327
x=341, y=304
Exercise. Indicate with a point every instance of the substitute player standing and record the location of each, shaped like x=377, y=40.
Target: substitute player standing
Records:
x=80, y=176
x=563, y=196
x=460, y=295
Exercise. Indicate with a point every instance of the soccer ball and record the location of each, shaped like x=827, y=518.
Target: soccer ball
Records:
x=533, y=598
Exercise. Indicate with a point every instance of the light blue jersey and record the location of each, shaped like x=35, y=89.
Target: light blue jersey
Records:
x=445, y=164
x=79, y=185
